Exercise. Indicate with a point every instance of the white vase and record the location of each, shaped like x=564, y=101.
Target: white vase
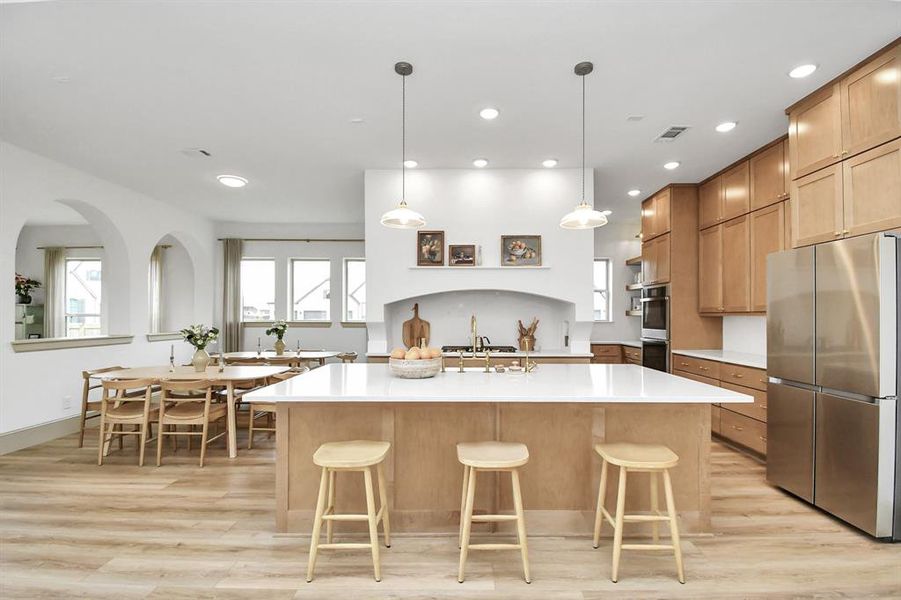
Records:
x=279, y=347
x=200, y=360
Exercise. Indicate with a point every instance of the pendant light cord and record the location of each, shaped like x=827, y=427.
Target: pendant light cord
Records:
x=583, y=139
x=403, y=140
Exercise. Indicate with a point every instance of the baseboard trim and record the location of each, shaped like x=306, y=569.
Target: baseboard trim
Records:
x=38, y=434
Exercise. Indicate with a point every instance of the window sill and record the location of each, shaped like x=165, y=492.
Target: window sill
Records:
x=324, y=324
x=65, y=343
x=361, y=324
x=164, y=336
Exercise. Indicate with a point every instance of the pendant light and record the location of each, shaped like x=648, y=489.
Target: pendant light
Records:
x=403, y=217
x=584, y=216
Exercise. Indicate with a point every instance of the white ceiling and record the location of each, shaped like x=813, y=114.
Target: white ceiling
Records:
x=270, y=89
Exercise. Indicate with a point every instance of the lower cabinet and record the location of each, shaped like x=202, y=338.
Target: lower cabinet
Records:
x=631, y=355
x=615, y=354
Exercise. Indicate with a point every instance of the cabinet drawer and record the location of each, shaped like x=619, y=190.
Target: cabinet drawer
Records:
x=743, y=430
x=715, y=418
x=745, y=376
x=605, y=349
x=756, y=410
x=632, y=353
x=693, y=377
x=697, y=366
x=606, y=360
x=632, y=361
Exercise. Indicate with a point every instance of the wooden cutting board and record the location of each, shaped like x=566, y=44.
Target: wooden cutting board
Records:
x=415, y=329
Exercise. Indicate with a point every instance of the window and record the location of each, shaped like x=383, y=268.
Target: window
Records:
x=83, y=283
x=257, y=289
x=310, y=285
x=602, y=309
x=355, y=289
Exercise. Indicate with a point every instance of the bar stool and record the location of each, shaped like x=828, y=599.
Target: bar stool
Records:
x=485, y=457
x=358, y=455
x=652, y=459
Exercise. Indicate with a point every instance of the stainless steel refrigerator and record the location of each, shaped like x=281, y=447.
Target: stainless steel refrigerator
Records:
x=833, y=425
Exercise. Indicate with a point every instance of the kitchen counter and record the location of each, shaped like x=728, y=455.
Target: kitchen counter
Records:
x=755, y=361
x=630, y=343
x=517, y=354
x=560, y=411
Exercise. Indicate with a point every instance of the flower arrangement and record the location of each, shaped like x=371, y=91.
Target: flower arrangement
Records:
x=199, y=335
x=24, y=285
x=278, y=329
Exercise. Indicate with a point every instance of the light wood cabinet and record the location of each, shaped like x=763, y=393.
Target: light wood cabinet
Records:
x=610, y=354
x=710, y=270
x=871, y=184
x=817, y=207
x=710, y=203
x=767, y=235
x=871, y=103
x=655, y=215
x=769, y=180
x=655, y=260
x=815, y=132
x=736, y=265
x=736, y=191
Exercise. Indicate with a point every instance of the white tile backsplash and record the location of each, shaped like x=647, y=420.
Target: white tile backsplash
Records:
x=745, y=334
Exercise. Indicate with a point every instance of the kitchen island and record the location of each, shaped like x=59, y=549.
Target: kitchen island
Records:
x=558, y=411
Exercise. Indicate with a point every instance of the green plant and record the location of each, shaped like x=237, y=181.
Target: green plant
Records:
x=278, y=329
x=199, y=335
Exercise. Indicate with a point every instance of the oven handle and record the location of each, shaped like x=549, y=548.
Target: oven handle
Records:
x=660, y=299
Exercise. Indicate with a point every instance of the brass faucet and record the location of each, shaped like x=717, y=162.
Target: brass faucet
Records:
x=530, y=365
x=474, y=333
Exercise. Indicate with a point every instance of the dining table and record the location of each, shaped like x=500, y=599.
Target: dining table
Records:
x=225, y=378
x=303, y=355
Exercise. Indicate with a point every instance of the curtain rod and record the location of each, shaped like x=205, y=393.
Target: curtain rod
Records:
x=70, y=247
x=296, y=239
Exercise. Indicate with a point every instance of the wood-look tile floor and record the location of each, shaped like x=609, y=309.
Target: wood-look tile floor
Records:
x=69, y=529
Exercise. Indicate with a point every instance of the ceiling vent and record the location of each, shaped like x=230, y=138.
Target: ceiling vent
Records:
x=196, y=153
x=671, y=133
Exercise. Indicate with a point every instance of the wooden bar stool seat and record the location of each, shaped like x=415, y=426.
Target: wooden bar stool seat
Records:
x=357, y=455
x=652, y=459
x=491, y=456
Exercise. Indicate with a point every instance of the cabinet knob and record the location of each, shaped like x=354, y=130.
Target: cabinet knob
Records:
x=844, y=152
x=763, y=406
x=837, y=234
x=737, y=428
x=683, y=364
x=737, y=375
x=762, y=438
x=846, y=231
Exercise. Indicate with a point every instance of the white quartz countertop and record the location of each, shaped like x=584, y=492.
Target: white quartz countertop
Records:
x=517, y=354
x=756, y=361
x=547, y=383
x=631, y=343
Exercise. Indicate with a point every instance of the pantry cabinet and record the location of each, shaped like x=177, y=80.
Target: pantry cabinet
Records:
x=736, y=265
x=655, y=260
x=655, y=215
x=736, y=191
x=710, y=270
x=767, y=235
x=768, y=176
x=710, y=203
x=871, y=103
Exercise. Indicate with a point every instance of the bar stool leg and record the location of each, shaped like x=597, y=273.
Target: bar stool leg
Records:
x=599, y=513
x=618, y=528
x=330, y=506
x=317, y=523
x=383, y=504
x=655, y=526
x=463, y=504
x=521, y=525
x=373, y=524
x=674, y=526
x=467, y=521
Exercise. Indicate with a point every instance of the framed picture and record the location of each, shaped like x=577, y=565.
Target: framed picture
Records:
x=521, y=250
x=430, y=248
x=461, y=255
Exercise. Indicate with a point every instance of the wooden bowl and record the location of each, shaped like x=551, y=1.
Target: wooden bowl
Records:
x=414, y=369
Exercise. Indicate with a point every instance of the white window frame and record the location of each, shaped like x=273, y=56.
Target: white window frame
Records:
x=594, y=289
x=274, y=294
x=290, y=314
x=68, y=314
x=344, y=288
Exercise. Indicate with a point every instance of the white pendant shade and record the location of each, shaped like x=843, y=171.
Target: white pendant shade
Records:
x=584, y=217
x=403, y=218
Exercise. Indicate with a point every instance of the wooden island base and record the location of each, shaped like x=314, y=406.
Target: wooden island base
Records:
x=559, y=485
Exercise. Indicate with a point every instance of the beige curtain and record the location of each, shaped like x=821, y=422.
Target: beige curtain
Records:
x=155, y=289
x=54, y=292
x=231, y=295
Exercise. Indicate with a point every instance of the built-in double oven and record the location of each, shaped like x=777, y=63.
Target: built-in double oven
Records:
x=655, y=320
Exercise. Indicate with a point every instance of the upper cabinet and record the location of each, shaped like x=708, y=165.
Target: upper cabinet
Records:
x=815, y=132
x=769, y=176
x=817, y=207
x=655, y=260
x=871, y=103
x=736, y=191
x=871, y=185
x=767, y=235
x=736, y=265
x=710, y=203
x=655, y=215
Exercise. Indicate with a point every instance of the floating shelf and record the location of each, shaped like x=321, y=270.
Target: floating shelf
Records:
x=633, y=287
x=635, y=261
x=633, y=313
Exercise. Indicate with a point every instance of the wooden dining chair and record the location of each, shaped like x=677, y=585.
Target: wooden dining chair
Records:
x=258, y=410
x=188, y=403
x=126, y=402
x=86, y=404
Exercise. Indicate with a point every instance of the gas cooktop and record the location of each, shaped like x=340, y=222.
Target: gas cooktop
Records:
x=469, y=348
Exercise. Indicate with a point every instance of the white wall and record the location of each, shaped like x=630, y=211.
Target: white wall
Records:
x=745, y=334
x=617, y=241
x=335, y=337
x=478, y=206
x=128, y=225
x=177, y=294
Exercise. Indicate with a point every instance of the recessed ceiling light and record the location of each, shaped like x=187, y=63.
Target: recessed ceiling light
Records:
x=802, y=71
x=549, y=163
x=410, y=164
x=232, y=181
x=489, y=113
x=634, y=193
x=671, y=165
x=726, y=126
x=480, y=163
